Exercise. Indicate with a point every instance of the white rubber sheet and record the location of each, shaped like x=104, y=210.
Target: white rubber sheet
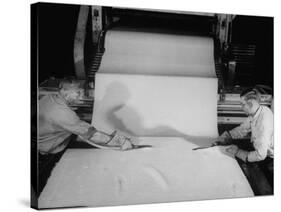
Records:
x=170, y=171
x=142, y=105
x=148, y=53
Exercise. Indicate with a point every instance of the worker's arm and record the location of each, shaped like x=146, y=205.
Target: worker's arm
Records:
x=237, y=133
x=113, y=140
x=241, y=131
x=100, y=137
x=120, y=140
x=261, y=142
x=69, y=121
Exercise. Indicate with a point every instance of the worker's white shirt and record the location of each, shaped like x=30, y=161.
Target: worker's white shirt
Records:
x=261, y=127
x=56, y=123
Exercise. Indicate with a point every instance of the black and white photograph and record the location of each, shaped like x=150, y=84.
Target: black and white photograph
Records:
x=136, y=105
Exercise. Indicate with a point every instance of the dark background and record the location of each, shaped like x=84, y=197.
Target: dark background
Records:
x=258, y=31
x=57, y=27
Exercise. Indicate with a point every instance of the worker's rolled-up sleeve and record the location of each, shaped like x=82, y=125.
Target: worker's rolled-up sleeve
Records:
x=242, y=154
x=69, y=121
x=259, y=154
x=261, y=140
x=242, y=130
x=91, y=131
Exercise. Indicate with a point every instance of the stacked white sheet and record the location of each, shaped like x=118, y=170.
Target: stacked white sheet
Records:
x=170, y=171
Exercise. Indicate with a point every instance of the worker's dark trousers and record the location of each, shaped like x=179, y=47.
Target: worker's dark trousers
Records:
x=268, y=169
x=45, y=165
x=266, y=165
x=41, y=171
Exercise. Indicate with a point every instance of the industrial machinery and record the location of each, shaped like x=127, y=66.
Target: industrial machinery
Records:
x=234, y=63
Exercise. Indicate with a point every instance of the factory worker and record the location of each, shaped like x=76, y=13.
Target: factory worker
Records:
x=57, y=122
x=260, y=124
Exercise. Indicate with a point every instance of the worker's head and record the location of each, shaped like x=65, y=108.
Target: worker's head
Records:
x=250, y=100
x=70, y=89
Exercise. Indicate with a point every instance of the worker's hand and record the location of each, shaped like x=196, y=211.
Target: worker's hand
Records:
x=232, y=150
x=223, y=139
x=100, y=137
x=225, y=134
x=127, y=145
x=120, y=140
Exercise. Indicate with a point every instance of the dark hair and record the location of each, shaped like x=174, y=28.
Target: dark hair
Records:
x=251, y=93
